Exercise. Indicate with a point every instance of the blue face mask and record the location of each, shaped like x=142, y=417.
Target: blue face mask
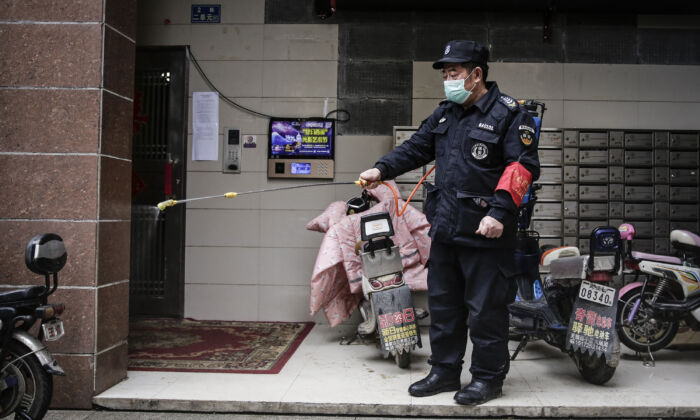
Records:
x=455, y=90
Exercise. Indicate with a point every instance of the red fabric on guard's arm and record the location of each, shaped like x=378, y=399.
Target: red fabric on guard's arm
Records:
x=515, y=180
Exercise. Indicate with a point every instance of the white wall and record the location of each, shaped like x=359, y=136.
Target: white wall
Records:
x=587, y=95
x=250, y=258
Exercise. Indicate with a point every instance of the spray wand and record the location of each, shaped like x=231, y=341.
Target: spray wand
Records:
x=361, y=182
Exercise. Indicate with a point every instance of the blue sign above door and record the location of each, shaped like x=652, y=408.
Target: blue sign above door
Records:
x=206, y=13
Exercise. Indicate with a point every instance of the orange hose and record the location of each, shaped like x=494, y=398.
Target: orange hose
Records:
x=396, y=195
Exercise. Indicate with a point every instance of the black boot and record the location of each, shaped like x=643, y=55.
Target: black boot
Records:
x=478, y=392
x=435, y=383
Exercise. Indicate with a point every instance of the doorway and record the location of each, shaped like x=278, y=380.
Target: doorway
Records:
x=159, y=159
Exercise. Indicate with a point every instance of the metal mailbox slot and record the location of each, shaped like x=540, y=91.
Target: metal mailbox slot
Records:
x=684, y=159
x=638, y=140
x=639, y=193
x=571, y=174
x=617, y=139
x=593, y=210
x=570, y=227
x=639, y=211
x=661, y=228
x=639, y=157
x=593, y=139
x=661, y=192
x=616, y=209
x=661, y=139
x=593, y=192
x=683, y=194
x=616, y=191
x=683, y=177
x=550, y=176
x=584, y=245
x=675, y=224
x=661, y=175
x=570, y=192
x=570, y=209
x=643, y=229
x=556, y=242
x=550, y=157
x=551, y=139
x=596, y=175
x=585, y=227
x=661, y=157
x=548, y=228
x=617, y=173
x=547, y=210
x=616, y=156
x=644, y=245
x=570, y=156
x=638, y=176
x=683, y=212
x=683, y=141
x=661, y=210
x=550, y=192
x=571, y=138
x=593, y=157
x=662, y=245
x=570, y=241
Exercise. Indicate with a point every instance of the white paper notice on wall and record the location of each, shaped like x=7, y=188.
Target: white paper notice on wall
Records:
x=205, y=126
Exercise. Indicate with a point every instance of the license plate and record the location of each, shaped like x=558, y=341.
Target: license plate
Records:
x=53, y=330
x=597, y=293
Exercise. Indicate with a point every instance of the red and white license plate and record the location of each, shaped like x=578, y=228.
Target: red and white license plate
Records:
x=597, y=293
x=53, y=330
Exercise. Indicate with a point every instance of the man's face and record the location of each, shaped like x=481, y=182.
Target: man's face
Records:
x=454, y=71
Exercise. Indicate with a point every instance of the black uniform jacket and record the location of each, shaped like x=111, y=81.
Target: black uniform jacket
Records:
x=471, y=149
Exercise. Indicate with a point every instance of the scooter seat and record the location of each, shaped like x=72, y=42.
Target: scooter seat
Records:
x=21, y=294
x=686, y=240
x=563, y=251
x=655, y=257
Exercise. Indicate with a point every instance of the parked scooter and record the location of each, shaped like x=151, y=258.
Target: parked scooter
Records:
x=26, y=366
x=649, y=312
x=577, y=310
x=387, y=308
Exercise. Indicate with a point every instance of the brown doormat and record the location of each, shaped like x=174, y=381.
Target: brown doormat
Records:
x=187, y=345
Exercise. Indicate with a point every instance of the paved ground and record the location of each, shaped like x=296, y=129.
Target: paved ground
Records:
x=141, y=415
x=324, y=378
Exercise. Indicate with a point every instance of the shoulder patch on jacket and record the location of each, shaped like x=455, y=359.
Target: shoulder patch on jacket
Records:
x=508, y=101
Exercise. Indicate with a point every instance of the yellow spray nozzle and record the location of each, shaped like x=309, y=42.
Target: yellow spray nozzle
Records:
x=167, y=203
x=230, y=194
x=363, y=183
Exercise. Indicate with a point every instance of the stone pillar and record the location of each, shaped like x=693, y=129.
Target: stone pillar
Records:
x=66, y=88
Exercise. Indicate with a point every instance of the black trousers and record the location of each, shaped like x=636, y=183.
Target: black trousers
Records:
x=476, y=283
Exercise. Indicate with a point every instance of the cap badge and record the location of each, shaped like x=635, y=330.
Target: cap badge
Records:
x=447, y=50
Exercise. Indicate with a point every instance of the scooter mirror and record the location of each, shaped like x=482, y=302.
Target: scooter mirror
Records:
x=45, y=254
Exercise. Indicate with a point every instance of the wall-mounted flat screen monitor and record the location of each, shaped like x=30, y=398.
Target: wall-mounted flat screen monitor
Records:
x=301, y=138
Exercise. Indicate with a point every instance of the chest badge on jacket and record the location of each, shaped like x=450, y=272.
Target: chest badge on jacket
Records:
x=480, y=151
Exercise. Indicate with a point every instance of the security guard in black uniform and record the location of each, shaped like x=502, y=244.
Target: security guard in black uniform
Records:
x=485, y=154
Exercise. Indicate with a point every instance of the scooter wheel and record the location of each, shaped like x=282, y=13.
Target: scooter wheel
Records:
x=38, y=388
x=403, y=359
x=645, y=333
x=594, y=369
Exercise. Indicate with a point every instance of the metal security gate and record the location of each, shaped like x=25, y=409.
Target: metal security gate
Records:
x=159, y=157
